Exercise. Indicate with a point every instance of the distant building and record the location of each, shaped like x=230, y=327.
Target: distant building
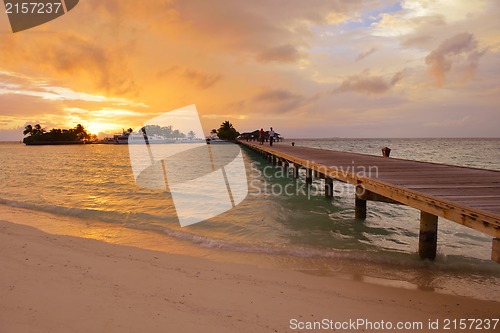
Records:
x=255, y=135
x=250, y=136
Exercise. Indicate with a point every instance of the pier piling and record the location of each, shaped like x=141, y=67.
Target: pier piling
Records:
x=286, y=166
x=429, y=187
x=360, y=209
x=328, y=187
x=427, y=240
x=360, y=204
x=309, y=176
x=495, y=252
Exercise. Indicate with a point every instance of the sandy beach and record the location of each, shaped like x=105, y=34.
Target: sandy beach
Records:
x=250, y=166
x=54, y=283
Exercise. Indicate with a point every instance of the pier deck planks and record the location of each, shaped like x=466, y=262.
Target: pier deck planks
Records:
x=468, y=196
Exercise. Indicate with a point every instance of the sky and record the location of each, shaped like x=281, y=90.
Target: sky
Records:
x=316, y=68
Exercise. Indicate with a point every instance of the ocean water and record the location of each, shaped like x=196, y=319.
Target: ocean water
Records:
x=299, y=229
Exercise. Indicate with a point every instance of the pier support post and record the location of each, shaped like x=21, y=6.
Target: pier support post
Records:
x=359, y=204
x=360, y=209
x=427, y=240
x=495, y=250
x=316, y=174
x=295, y=171
x=309, y=176
x=328, y=187
x=285, y=167
x=275, y=160
x=270, y=158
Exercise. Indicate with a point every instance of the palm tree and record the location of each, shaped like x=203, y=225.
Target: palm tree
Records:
x=55, y=132
x=37, y=130
x=227, y=131
x=178, y=134
x=226, y=126
x=166, y=131
x=81, y=132
x=28, y=130
x=191, y=134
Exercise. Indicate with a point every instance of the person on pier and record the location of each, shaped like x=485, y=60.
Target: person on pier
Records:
x=271, y=136
x=262, y=135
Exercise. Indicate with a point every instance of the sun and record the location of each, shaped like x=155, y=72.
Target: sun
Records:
x=96, y=128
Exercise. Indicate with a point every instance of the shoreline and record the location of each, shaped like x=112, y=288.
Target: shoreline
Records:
x=60, y=283
x=55, y=283
x=449, y=277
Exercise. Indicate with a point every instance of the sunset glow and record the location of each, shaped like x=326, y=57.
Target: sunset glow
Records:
x=96, y=128
x=374, y=68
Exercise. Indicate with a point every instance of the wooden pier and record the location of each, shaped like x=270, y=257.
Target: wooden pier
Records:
x=467, y=196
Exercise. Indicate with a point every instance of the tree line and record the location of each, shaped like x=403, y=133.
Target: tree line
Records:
x=226, y=131
x=165, y=131
x=37, y=133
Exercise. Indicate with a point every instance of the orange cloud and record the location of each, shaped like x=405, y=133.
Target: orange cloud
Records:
x=246, y=59
x=199, y=79
x=282, y=53
x=368, y=84
x=69, y=55
x=441, y=60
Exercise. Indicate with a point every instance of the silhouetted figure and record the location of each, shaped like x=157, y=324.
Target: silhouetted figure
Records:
x=271, y=136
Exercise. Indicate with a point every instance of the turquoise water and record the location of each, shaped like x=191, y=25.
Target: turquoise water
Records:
x=95, y=182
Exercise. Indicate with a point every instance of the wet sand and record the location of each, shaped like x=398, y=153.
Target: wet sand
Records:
x=59, y=283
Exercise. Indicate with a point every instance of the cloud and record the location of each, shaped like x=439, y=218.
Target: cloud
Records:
x=70, y=55
x=368, y=84
x=276, y=101
x=447, y=123
x=276, y=95
x=198, y=78
x=282, y=53
x=366, y=53
x=265, y=30
x=32, y=100
x=202, y=80
x=429, y=14
x=472, y=63
x=20, y=85
x=441, y=60
x=416, y=41
x=264, y=60
x=27, y=107
x=12, y=134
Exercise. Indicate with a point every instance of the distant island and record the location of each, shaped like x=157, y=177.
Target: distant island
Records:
x=37, y=135
x=151, y=134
